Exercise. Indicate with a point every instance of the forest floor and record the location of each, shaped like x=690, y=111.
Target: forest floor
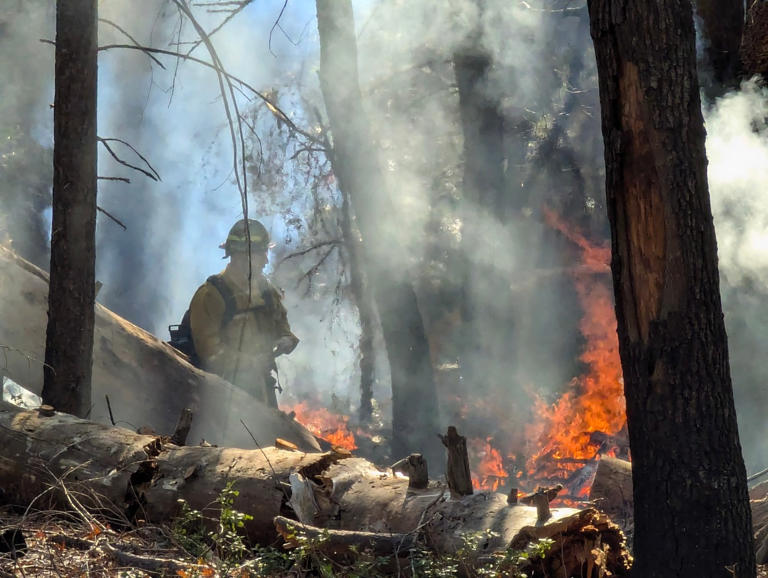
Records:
x=60, y=545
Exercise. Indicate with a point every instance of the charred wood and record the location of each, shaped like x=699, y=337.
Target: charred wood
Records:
x=457, y=468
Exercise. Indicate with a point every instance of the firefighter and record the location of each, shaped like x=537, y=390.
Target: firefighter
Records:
x=239, y=327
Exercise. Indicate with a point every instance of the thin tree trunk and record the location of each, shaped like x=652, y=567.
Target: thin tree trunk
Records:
x=356, y=166
x=680, y=412
x=365, y=309
x=69, y=339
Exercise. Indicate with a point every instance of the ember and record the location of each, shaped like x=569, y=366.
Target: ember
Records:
x=324, y=424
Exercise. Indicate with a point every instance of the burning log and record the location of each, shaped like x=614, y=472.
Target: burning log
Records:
x=63, y=461
x=146, y=381
x=457, y=469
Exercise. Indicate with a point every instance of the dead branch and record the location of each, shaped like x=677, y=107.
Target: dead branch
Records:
x=273, y=107
x=104, y=141
x=111, y=216
x=335, y=543
x=307, y=250
x=132, y=39
x=151, y=563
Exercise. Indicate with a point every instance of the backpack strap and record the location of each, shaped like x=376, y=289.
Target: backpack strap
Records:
x=230, y=303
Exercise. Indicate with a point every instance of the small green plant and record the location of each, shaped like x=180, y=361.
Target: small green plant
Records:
x=225, y=543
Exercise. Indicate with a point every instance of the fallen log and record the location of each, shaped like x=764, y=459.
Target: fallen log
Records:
x=612, y=489
x=59, y=461
x=146, y=382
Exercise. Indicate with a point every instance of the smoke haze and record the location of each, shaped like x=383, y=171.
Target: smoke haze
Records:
x=175, y=118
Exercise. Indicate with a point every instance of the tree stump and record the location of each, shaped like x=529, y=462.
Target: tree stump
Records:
x=457, y=468
x=415, y=467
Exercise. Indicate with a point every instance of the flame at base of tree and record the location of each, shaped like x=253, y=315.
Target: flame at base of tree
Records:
x=325, y=424
x=579, y=426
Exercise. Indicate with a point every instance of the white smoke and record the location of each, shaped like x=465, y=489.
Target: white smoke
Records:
x=737, y=148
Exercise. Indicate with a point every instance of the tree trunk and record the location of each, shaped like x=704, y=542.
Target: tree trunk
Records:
x=365, y=308
x=69, y=339
x=356, y=166
x=754, y=43
x=722, y=24
x=672, y=338
x=147, y=381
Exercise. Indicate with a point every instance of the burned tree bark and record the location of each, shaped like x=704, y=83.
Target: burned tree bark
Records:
x=356, y=166
x=69, y=340
x=672, y=338
x=457, y=470
x=722, y=24
x=754, y=42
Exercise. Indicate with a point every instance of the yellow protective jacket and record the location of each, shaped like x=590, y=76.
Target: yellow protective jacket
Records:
x=239, y=350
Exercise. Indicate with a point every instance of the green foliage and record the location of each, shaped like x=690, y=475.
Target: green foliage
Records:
x=224, y=544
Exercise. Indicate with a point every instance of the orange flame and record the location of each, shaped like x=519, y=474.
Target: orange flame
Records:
x=489, y=473
x=596, y=400
x=325, y=424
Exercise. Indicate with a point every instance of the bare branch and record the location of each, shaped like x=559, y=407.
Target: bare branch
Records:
x=275, y=25
x=307, y=250
x=274, y=109
x=152, y=175
x=115, y=219
x=132, y=39
x=121, y=179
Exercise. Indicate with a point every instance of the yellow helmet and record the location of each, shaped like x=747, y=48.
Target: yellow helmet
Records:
x=237, y=239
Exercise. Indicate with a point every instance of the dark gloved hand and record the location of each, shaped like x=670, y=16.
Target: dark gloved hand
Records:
x=284, y=345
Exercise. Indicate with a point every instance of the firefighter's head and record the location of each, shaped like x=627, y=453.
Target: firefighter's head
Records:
x=237, y=239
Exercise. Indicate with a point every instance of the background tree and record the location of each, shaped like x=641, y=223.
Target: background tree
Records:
x=356, y=166
x=691, y=509
x=722, y=24
x=69, y=337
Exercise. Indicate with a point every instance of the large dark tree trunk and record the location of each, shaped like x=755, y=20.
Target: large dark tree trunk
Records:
x=69, y=339
x=722, y=24
x=356, y=166
x=485, y=312
x=682, y=424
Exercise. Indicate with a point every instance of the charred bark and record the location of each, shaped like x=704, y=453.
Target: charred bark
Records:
x=754, y=43
x=355, y=164
x=69, y=339
x=672, y=338
x=457, y=470
x=722, y=24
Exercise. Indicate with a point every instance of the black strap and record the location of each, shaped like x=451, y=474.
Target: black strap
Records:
x=230, y=303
